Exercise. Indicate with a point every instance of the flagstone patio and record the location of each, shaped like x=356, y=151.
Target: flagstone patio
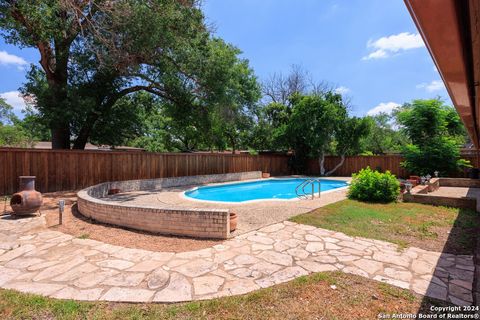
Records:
x=37, y=260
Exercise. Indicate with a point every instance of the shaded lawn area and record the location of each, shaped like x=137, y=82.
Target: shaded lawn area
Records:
x=428, y=227
x=310, y=297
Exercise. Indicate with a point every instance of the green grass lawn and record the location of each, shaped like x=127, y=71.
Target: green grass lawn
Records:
x=406, y=224
x=311, y=297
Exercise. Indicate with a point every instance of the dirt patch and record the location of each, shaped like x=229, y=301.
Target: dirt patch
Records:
x=76, y=224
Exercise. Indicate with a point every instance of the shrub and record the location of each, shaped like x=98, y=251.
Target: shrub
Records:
x=436, y=134
x=440, y=154
x=370, y=185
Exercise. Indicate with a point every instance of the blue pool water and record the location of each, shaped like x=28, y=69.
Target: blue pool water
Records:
x=258, y=190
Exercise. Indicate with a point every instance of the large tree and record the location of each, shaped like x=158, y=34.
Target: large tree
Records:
x=314, y=120
x=319, y=124
x=95, y=52
x=436, y=134
x=348, y=135
x=279, y=90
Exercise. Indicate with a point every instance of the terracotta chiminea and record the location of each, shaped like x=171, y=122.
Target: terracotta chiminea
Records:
x=27, y=200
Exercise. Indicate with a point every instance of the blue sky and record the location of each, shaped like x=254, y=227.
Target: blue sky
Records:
x=370, y=49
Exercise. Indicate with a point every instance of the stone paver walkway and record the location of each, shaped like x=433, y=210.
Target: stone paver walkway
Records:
x=37, y=260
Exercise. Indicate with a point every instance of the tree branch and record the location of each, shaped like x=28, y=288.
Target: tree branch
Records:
x=47, y=60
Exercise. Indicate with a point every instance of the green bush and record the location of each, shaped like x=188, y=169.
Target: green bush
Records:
x=374, y=186
x=440, y=154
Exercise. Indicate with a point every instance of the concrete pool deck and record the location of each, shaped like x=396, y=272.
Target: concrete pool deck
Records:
x=251, y=215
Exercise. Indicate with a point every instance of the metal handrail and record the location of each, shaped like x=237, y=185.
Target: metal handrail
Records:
x=300, y=186
x=304, y=184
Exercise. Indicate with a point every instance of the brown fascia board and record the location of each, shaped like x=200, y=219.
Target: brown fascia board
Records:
x=445, y=28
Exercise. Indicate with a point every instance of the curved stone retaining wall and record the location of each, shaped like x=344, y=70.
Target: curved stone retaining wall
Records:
x=202, y=223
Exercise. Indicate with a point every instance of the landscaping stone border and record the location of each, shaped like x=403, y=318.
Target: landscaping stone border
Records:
x=194, y=222
x=460, y=182
x=466, y=203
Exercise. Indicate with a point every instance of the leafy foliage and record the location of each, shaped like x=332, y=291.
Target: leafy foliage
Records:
x=125, y=121
x=423, y=120
x=34, y=125
x=314, y=121
x=207, y=123
x=436, y=133
x=349, y=134
x=319, y=123
x=382, y=138
x=95, y=53
x=441, y=153
x=6, y=113
x=374, y=186
x=11, y=135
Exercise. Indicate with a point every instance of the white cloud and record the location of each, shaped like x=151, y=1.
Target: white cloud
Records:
x=435, y=85
x=15, y=99
x=342, y=90
x=384, y=107
x=7, y=59
x=386, y=46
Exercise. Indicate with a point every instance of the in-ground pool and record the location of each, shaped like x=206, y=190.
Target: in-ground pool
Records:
x=280, y=189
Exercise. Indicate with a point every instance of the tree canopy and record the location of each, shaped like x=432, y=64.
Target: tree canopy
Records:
x=436, y=134
x=320, y=124
x=383, y=136
x=94, y=53
x=423, y=120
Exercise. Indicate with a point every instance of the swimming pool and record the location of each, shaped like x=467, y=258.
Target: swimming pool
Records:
x=271, y=189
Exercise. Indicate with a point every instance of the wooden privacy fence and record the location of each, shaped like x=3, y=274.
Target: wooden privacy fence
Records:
x=58, y=170
x=354, y=164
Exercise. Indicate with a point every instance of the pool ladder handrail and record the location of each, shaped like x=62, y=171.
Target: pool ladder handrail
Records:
x=301, y=187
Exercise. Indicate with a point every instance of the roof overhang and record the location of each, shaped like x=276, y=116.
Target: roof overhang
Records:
x=451, y=32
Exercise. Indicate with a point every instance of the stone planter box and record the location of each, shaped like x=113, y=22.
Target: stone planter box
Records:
x=420, y=193
x=466, y=203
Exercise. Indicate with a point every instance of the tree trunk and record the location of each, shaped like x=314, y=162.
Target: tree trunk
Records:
x=58, y=85
x=85, y=132
x=321, y=162
x=60, y=136
x=59, y=125
x=342, y=160
x=82, y=139
x=232, y=142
